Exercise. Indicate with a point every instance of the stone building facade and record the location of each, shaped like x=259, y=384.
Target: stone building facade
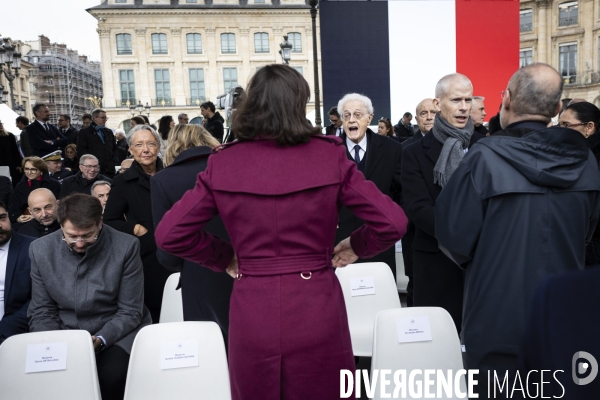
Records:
x=22, y=88
x=566, y=35
x=175, y=54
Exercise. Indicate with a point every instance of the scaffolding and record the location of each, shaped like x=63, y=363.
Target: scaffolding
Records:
x=64, y=80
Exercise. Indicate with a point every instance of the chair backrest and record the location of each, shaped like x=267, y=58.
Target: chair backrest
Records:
x=5, y=171
x=401, y=278
x=362, y=310
x=442, y=352
x=208, y=380
x=78, y=381
x=172, y=305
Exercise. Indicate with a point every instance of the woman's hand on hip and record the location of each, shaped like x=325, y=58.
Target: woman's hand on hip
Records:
x=343, y=254
x=232, y=268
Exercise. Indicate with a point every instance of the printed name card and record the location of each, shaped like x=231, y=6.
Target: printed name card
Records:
x=399, y=246
x=413, y=329
x=362, y=286
x=179, y=354
x=46, y=357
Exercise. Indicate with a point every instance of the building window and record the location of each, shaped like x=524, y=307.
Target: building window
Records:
x=296, y=40
x=261, y=42
x=259, y=1
x=127, y=85
x=159, y=43
x=50, y=98
x=196, y=85
x=567, y=14
x=526, y=20
x=163, y=85
x=227, y=43
x=299, y=69
x=191, y=1
x=568, y=62
x=229, y=78
x=526, y=57
x=120, y=1
x=194, y=43
x=123, y=43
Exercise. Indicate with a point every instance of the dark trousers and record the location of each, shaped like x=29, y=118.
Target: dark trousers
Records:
x=112, y=364
x=439, y=282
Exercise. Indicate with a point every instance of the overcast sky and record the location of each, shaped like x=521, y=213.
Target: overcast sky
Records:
x=63, y=21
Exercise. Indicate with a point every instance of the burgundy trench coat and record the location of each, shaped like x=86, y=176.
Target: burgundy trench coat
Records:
x=288, y=336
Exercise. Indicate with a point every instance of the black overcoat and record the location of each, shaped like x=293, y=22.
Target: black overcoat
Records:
x=78, y=184
x=205, y=292
x=88, y=142
x=129, y=204
x=383, y=169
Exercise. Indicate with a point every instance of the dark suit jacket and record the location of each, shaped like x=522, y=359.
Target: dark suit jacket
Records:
x=71, y=135
x=205, y=292
x=37, y=136
x=6, y=190
x=419, y=191
x=330, y=130
x=88, y=142
x=17, y=286
x=383, y=169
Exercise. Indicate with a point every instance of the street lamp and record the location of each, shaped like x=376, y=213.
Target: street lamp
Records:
x=313, y=15
x=286, y=50
x=8, y=57
x=139, y=107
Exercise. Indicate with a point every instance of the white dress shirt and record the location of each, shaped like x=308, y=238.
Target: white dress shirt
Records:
x=3, y=261
x=363, y=147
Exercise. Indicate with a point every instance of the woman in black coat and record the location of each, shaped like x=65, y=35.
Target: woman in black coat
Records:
x=9, y=155
x=36, y=172
x=205, y=293
x=129, y=210
x=71, y=161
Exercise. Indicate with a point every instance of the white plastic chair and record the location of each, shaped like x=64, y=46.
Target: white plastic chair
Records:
x=78, y=381
x=443, y=352
x=362, y=310
x=5, y=171
x=208, y=380
x=172, y=304
x=401, y=278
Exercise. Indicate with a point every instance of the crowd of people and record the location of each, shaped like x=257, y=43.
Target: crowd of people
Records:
x=97, y=221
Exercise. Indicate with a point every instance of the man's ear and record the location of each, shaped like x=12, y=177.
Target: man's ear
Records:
x=558, y=108
x=436, y=104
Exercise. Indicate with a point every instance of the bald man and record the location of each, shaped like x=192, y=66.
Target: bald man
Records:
x=42, y=206
x=427, y=165
x=520, y=207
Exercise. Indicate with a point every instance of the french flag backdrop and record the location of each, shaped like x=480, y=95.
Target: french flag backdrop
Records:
x=394, y=52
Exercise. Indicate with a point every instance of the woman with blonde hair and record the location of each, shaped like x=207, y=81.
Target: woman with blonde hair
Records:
x=186, y=136
x=205, y=293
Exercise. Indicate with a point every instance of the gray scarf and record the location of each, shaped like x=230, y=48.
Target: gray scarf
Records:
x=454, y=140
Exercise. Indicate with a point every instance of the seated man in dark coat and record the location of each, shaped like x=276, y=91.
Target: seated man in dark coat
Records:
x=15, y=279
x=42, y=206
x=55, y=166
x=99, y=141
x=89, y=276
x=83, y=180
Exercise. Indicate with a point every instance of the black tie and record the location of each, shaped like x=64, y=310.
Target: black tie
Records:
x=45, y=126
x=356, y=155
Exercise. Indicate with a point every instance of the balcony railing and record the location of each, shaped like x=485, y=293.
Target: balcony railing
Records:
x=126, y=102
x=570, y=80
x=195, y=101
x=568, y=21
x=163, y=102
x=526, y=27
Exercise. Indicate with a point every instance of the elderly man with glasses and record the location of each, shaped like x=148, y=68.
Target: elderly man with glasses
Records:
x=99, y=141
x=89, y=276
x=377, y=157
x=83, y=180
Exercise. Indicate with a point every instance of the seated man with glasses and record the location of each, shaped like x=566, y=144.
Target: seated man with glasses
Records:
x=89, y=276
x=83, y=180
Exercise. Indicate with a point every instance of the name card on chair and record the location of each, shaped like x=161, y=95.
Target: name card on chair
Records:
x=45, y=357
x=398, y=246
x=413, y=329
x=179, y=354
x=362, y=286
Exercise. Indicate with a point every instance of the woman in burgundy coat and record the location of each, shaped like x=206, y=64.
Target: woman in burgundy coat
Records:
x=278, y=190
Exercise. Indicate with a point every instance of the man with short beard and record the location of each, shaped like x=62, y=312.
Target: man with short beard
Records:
x=42, y=206
x=44, y=137
x=426, y=168
x=15, y=279
x=83, y=180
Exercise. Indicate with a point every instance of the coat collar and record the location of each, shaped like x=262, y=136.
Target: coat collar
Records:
x=433, y=148
x=373, y=154
x=135, y=172
x=192, y=154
